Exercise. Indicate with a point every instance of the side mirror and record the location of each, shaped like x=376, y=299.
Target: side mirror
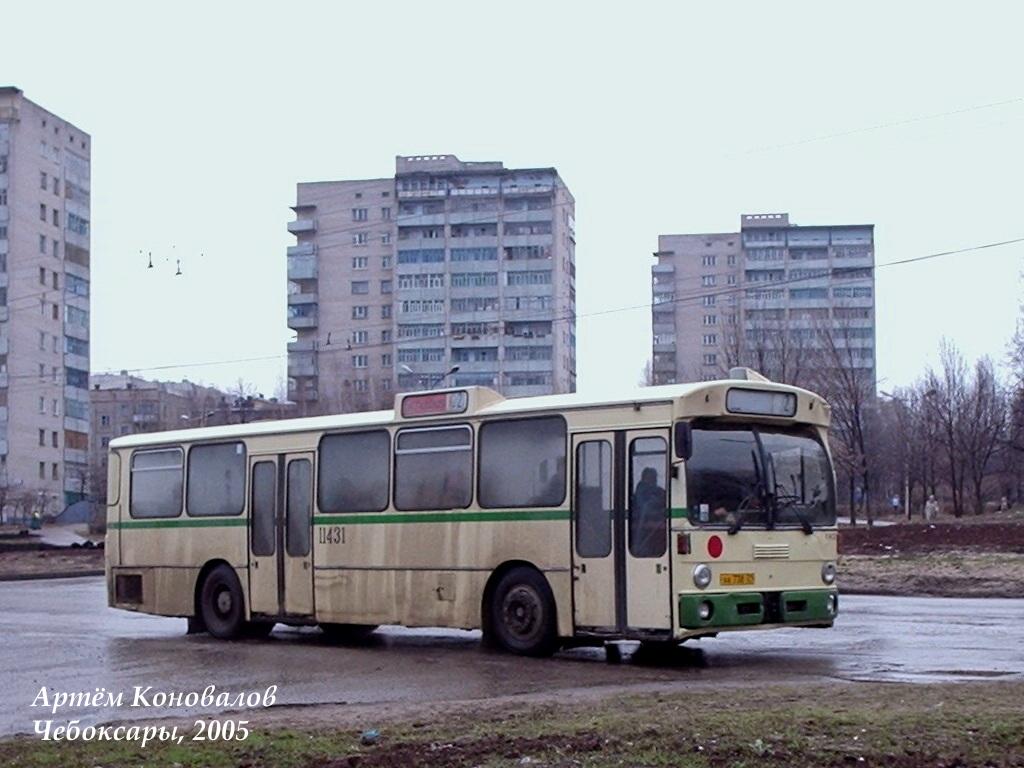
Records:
x=683, y=438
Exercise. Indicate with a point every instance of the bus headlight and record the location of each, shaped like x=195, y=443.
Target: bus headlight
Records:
x=828, y=573
x=832, y=605
x=704, y=610
x=701, y=576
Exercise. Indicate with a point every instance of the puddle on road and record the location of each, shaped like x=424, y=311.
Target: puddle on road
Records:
x=929, y=675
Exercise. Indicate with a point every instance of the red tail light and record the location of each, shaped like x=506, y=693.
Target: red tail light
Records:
x=683, y=543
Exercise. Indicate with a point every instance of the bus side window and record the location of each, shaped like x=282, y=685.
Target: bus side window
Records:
x=434, y=468
x=522, y=463
x=157, y=481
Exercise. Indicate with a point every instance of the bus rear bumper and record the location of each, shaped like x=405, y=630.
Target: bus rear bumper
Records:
x=701, y=613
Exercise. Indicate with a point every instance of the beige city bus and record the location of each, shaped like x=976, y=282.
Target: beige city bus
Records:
x=677, y=512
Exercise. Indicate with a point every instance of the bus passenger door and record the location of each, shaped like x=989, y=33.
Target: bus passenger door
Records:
x=648, y=581
x=297, y=550
x=594, y=522
x=280, y=535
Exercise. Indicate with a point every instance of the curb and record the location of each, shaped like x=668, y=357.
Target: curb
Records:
x=52, y=575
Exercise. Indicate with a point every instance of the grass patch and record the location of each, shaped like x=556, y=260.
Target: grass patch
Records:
x=838, y=725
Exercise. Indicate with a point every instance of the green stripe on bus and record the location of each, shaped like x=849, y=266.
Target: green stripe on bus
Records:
x=678, y=512
x=362, y=518
x=184, y=522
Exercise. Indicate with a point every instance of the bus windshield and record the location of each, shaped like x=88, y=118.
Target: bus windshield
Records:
x=758, y=477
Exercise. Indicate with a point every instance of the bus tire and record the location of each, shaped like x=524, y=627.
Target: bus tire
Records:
x=222, y=604
x=522, y=614
x=348, y=633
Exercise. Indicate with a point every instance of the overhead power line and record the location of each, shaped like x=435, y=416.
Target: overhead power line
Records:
x=676, y=300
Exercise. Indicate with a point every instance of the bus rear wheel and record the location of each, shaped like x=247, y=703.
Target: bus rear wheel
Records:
x=522, y=614
x=221, y=604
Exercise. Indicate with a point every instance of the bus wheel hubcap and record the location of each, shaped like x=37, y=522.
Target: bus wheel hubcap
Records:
x=224, y=602
x=521, y=610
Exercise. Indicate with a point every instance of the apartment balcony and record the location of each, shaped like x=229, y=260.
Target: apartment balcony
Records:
x=5, y=314
x=76, y=456
x=423, y=193
x=81, y=362
x=300, y=226
x=4, y=345
x=527, y=189
x=526, y=390
x=73, y=330
x=76, y=425
x=302, y=315
x=305, y=345
x=513, y=240
x=302, y=365
x=542, y=214
x=665, y=289
x=302, y=249
x=420, y=220
x=3, y=446
x=665, y=347
x=474, y=366
x=527, y=366
x=3, y=414
x=663, y=269
x=298, y=299
x=302, y=267
x=3, y=379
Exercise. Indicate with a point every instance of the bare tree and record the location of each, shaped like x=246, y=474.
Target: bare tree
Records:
x=982, y=428
x=947, y=397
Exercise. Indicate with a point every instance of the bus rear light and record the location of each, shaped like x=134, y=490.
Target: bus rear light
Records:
x=715, y=546
x=683, y=544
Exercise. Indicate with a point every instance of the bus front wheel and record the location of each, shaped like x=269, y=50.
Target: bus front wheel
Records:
x=523, y=617
x=221, y=603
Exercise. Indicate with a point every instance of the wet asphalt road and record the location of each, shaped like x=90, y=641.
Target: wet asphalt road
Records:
x=61, y=635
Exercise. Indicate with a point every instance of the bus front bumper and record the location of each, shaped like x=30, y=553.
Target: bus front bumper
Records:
x=726, y=610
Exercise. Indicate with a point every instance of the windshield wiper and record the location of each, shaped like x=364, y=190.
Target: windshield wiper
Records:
x=762, y=494
x=791, y=504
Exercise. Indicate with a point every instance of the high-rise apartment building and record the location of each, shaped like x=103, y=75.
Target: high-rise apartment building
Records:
x=396, y=282
x=791, y=301
x=44, y=304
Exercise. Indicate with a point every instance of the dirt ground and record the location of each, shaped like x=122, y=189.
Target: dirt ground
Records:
x=28, y=563
x=978, y=557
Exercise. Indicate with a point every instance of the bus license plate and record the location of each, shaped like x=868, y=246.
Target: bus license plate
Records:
x=736, y=579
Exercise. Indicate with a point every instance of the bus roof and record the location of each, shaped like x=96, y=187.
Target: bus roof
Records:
x=493, y=404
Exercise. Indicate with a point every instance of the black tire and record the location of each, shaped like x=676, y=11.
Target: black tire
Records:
x=221, y=604
x=522, y=614
x=348, y=633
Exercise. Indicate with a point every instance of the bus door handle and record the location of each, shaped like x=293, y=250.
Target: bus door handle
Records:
x=581, y=567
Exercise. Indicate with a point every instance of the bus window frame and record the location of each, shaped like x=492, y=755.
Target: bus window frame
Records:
x=320, y=509
x=131, y=481
x=245, y=476
x=565, y=459
x=471, y=448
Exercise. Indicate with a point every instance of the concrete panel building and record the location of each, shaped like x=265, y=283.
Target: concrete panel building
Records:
x=791, y=301
x=44, y=304
x=394, y=282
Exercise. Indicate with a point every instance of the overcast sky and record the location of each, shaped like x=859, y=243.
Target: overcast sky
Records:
x=673, y=117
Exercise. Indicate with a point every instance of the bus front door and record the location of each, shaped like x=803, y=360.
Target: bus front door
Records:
x=621, y=581
x=280, y=536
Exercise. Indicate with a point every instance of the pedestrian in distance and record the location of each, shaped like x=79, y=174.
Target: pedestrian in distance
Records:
x=931, y=508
